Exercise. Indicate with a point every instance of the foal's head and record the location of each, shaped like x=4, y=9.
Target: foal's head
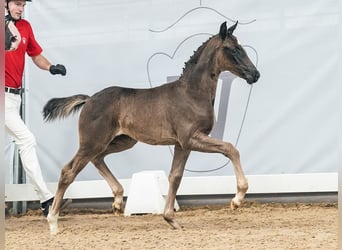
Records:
x=233, y=57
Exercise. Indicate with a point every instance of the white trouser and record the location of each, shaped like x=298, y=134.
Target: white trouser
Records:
x=26, y=143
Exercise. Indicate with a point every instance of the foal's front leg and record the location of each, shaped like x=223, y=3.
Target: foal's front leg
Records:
x=179, y=159
x=204, y=143
x=241, y=180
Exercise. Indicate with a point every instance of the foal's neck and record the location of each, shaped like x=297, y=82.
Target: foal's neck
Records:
x=202, y=71
x=203, y=78
x=201, y=87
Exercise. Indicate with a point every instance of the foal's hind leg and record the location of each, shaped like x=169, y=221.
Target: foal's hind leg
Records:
x=114, y=184
x=119, y=144
x=204, y=143
x=68, y=174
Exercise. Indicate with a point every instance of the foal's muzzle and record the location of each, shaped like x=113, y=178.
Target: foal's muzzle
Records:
x=253, y=77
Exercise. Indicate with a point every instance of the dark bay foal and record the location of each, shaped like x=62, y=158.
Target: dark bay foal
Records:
x=180, y=113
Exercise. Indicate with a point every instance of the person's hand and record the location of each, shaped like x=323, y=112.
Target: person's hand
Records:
x=57, y=69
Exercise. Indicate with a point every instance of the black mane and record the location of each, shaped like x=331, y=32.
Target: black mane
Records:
x=194, y=58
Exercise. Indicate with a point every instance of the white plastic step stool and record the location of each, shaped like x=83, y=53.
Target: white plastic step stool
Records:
x=147, y=193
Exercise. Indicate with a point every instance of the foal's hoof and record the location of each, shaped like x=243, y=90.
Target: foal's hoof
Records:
x=54, y=231
x=52, y=220
x=117, y=210
x=117, y=213
x=234, y=205
x=173, y=223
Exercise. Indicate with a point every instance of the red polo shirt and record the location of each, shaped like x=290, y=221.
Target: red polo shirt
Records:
x=15, y=60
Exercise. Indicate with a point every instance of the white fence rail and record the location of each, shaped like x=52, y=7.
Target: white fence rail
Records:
x=258, y=184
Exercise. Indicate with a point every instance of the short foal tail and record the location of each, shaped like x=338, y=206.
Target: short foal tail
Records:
x=63, y=107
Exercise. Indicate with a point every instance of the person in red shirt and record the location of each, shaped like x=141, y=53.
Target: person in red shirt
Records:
x=15, y=126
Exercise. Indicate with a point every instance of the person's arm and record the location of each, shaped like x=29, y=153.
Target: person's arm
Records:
x=41, y=62
x=44, y=64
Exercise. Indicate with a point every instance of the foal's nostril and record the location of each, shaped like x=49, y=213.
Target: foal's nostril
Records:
x=256, y=76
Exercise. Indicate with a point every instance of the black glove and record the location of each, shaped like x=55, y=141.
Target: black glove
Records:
x=57, y=69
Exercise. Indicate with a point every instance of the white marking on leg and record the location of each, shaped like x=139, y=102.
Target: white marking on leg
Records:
x=242, y=186
x=53, y=223
x=117, y=206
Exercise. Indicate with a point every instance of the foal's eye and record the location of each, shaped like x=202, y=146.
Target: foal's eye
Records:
x=231, y=51
x=234, y=52
x=228, y=50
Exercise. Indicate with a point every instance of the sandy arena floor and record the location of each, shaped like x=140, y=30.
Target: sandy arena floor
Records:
x=254, y=226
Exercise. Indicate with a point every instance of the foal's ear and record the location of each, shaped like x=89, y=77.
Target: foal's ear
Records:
x=231, y=29
x=223, y=30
